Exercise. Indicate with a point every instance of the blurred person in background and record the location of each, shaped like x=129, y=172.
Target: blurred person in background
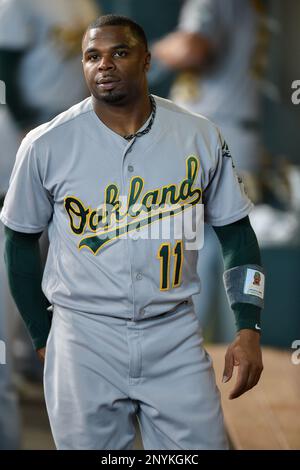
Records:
x=219, y=52
x=40, y=64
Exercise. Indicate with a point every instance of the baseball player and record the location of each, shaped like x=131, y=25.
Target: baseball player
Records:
x=124, y=338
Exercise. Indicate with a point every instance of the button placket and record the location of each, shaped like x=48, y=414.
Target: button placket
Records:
x=125, y=183
x=133, y=236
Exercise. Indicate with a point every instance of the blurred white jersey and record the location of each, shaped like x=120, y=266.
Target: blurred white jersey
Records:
x=51, y=31
x=228, y=90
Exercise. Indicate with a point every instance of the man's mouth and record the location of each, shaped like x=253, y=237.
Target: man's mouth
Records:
x=107, y=83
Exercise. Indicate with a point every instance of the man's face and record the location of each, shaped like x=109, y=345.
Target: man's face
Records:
x=115, y=63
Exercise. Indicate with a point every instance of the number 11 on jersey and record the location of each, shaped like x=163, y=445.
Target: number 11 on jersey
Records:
x=164, y=255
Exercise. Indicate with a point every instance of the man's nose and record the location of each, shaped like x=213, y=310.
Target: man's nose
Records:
x=106, y=63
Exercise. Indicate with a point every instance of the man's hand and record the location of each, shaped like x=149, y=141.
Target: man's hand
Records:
x=245, y=353
x=41, y=354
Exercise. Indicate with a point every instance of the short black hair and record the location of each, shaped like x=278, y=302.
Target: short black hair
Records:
x=120, y=20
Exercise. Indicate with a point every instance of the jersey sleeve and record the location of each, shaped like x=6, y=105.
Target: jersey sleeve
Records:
x=224, y=197
x=15, y=24
x=28, y=206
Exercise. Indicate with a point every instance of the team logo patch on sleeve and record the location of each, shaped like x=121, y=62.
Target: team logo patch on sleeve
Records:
x=226, y=153
x=225, y=150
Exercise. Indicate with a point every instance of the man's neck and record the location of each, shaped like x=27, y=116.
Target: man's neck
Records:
x=124, y=120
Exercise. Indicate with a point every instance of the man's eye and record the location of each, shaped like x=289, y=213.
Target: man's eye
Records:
x=93, y=57
x=120, y=53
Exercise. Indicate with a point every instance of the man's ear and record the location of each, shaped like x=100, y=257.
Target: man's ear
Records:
x=147, y=61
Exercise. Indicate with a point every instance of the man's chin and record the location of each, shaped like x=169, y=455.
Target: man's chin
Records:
x=112, y=98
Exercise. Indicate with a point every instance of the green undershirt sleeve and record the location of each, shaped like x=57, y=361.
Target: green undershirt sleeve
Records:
x=240, y=247
x=24, y=269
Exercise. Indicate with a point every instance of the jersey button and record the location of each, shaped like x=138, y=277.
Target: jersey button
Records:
x=130, y=168
x=134, y=236
x=139, y=276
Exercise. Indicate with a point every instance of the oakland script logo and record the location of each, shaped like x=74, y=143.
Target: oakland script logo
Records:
x=118, y=215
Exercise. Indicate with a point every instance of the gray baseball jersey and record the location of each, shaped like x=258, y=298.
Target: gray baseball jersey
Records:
x=70, y=170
